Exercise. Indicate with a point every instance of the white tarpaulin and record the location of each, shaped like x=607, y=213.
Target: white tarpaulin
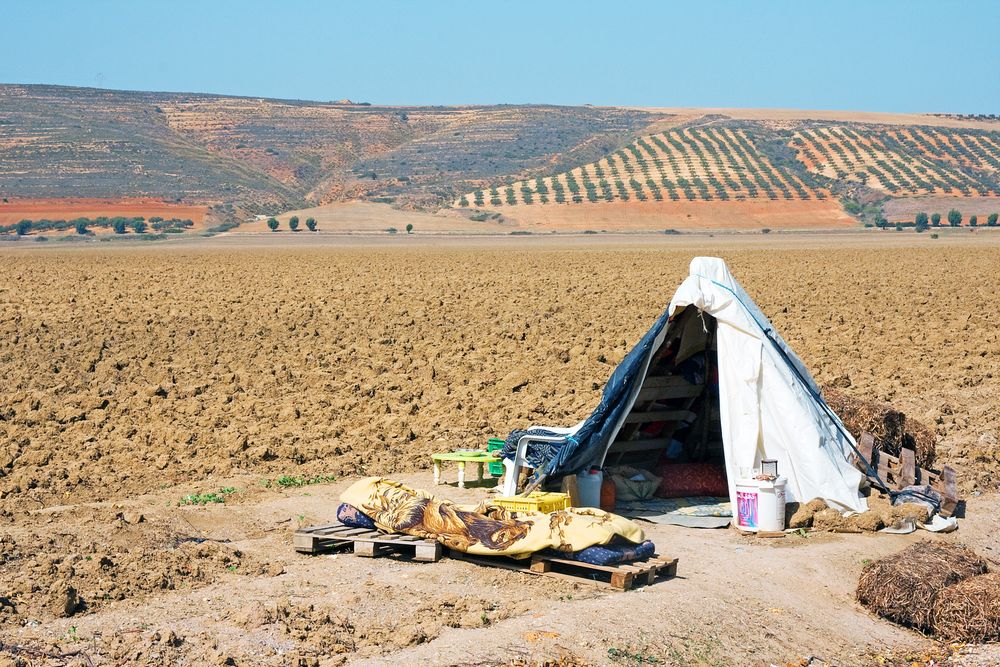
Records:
x=769, y=405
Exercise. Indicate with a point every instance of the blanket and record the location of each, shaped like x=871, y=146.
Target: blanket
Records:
x=484, y=529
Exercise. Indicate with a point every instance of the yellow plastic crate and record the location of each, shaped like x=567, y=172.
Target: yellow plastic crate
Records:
x=538, y=501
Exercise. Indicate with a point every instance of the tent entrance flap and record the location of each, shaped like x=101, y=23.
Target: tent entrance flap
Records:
x=676, y=417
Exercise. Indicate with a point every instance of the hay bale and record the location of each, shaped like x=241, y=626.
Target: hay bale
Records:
x=890, y=427
x=903, y=587
x=969, y=611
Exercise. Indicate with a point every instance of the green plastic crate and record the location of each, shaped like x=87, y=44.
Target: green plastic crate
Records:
x=492, y=445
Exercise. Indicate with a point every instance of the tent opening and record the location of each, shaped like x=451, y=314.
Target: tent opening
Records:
x=673, y=429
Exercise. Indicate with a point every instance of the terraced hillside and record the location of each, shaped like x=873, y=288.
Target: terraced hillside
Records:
x=59, y=142
x=714, y=171
x=703, y=164
x=904, y=161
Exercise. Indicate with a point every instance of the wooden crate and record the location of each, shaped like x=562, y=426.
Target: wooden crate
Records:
x=364, y=542
x=624, y=576
x=902, y=471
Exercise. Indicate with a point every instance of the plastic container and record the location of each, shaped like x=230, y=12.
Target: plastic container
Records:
x=538, y=501
x=760, y=505
x=588, y=484
x=771, y=505
x=608, y=494
x=496, y=468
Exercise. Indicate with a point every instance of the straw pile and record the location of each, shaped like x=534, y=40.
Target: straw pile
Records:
x=903, y=587
x=892, y=430
x=969, y=610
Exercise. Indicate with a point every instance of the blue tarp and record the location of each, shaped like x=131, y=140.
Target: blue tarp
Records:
x=588, y=444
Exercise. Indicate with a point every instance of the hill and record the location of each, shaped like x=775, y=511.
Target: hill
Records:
x=269, y=155
x=718, y=171
x=67, y=153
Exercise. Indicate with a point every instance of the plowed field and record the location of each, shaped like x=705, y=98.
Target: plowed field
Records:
x=132, y=377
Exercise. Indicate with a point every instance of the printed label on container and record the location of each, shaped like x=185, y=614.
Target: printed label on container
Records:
x=746, y=508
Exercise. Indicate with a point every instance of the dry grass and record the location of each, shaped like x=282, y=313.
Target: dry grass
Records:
x=892, y=430
x=969, y=610
x=903, y=587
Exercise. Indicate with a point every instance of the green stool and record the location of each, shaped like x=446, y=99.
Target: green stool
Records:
x=479, y=458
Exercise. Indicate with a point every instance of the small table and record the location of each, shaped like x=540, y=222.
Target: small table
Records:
x=462, y=458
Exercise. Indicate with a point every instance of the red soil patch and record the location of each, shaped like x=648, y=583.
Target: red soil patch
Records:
x=70, y=208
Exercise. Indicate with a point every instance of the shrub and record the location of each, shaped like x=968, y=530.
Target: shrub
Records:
x=293, y=223
x=22, y=227
x=272, y=224
x=463, y=202
x=766, y=230
x=409, y=228
x=899, y=227
x=934, y=235
x=81, y=227
x=118, y=225
x=991, y=220
x=954, y=217
x=392, y=230
x=973, y=221
x=139, y=226
x=936, y=220
x=311, y=224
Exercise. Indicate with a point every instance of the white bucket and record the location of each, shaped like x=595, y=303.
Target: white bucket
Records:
x=760, y=505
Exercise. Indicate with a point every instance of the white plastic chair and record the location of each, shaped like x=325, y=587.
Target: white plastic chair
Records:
x=512, y=467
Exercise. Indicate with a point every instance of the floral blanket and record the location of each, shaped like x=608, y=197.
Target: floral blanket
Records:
x=485, y=530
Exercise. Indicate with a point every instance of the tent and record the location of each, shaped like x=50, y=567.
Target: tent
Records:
x=765, y=404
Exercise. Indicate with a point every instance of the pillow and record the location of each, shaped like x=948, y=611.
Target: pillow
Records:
x=349, y=515
x=611, y=554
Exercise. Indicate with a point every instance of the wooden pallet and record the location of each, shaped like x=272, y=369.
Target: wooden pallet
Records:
x=364, y=542
x=901, y=471
x=624, y=576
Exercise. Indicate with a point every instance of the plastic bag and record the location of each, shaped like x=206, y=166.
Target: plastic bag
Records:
x=633, y=484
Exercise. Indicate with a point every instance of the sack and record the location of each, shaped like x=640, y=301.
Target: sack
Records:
x=633, y=484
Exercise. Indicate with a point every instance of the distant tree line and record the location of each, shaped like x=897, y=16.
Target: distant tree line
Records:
x=921, y=222
x=119, y=224
x=293, y=224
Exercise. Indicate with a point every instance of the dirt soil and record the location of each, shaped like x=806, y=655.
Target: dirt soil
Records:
x=680, y=215
x=136, y=377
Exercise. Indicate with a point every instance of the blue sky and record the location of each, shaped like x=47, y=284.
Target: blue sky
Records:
x=872, y=56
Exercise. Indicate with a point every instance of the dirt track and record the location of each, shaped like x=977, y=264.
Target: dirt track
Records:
x=138, y=376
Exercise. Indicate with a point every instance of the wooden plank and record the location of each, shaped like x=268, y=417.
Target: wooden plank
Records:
x=621, y=580
x=659, y=416
x=366, y=549
x=622, y=577
x=540, y=566
x=950, y=492
x=908, y=474
x=569, y=485
x=648, y=444
x=667, y=568
x=662, y=393
x=667, y=381
x=428, y=552
x=365, y=543
x=866, y=446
